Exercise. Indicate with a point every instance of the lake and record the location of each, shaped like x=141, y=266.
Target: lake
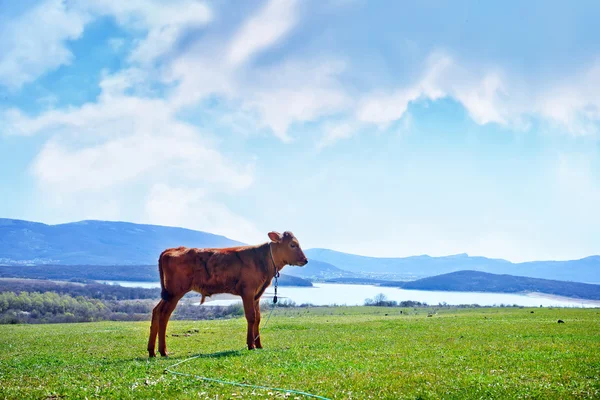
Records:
x=351, y=295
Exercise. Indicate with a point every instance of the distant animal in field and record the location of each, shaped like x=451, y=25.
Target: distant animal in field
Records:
x=245, y=271
x=560, y=321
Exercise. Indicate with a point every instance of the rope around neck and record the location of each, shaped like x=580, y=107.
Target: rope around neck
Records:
x=203, y=378
x=275, y=275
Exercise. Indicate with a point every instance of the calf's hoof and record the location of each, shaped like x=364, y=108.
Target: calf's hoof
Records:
x=151, y=354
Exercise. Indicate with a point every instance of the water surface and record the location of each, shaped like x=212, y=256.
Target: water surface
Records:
x=351, y=295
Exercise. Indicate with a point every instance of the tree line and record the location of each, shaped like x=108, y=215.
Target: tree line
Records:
x=38, y=301
x=49, y=307
x=381, y=300
x=83, y=288
x=52, y=307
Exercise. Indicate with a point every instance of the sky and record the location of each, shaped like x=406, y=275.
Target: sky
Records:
x=369, y=127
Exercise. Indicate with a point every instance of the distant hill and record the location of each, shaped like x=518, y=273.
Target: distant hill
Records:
x=476, y=281
x=95, y=242
x=316, y=269
x=410, y=268
x=289, y=280
x=361, y=281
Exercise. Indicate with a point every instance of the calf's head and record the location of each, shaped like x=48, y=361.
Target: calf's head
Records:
x=288, y=248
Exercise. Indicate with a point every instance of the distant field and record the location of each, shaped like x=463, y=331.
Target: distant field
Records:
x=339, y=353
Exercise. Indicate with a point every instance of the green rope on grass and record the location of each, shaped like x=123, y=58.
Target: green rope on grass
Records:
x=291, y=391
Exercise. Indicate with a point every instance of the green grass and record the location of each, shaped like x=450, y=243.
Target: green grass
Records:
x=341, y=353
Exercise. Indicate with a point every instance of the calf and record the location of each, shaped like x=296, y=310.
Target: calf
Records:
x=245, y=271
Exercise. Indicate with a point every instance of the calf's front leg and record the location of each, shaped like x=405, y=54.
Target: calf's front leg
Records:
x=248, y=301
x=256, y=333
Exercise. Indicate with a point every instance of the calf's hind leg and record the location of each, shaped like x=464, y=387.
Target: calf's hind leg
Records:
x=163, y=319
x=154, y=329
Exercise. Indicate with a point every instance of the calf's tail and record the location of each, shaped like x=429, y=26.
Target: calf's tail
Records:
x=164, y=294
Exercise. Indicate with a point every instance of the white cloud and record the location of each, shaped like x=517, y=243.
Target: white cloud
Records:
x=112, y=116
x=163, y=21
x=35, y=42
x=479, y=92
x=336, y=131
x=277, y=96
x=262, y=30
x=151, y=14
x=121, y=139
x=574, y=102
x=197, y=75
x=144, y=156
x=174, y=206
x=383, y=108
x=280, y=95
x=296, y=91
x=491, y=95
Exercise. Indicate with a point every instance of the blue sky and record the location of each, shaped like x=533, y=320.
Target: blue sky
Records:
x=371, y=127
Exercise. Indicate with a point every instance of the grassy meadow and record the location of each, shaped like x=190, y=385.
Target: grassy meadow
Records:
x=337, y=353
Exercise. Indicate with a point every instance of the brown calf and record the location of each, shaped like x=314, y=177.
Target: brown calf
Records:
x=245, y=271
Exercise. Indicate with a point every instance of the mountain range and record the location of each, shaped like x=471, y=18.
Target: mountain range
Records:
x=411, y=268
x=128, y=244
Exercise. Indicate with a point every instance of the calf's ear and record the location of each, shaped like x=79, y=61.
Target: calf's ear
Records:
x=275, y=236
